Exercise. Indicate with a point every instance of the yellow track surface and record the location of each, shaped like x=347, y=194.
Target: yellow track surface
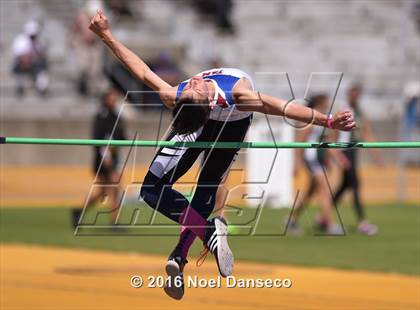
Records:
x=43, y=186
x=44, y=278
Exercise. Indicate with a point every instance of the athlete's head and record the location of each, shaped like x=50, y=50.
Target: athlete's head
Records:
x=197, y=88
x=319, y=102
x=190, y=115
x=192, y=109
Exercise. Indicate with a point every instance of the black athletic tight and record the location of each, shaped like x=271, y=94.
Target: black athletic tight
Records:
x=168, y=166
x=350, y=180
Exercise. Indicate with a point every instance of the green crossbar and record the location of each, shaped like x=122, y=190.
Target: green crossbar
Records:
x=205, y=144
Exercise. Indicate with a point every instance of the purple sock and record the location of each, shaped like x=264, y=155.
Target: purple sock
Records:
x=193, y=221
x=186, y=239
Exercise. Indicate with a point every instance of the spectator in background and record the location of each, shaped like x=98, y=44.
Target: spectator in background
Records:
x=166, y=67
x=411, y=114
x=410, y=122
x=121, y=7
x=223, y=14
x=30, y=59
x=350, y=177
x=164, y=64
x=315, y=161
x=220, y=11
x=86, y=48
x=106, y=159
x=416, y=13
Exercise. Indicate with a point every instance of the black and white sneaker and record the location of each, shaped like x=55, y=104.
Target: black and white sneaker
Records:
x=174, y=286
x=216, y=243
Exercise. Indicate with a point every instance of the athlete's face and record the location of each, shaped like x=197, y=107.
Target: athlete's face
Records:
x=197, y=88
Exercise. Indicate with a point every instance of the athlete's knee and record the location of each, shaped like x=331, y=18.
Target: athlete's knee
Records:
x=146, y=190
x=150, y=189
x=149, y=195
x=204, y=199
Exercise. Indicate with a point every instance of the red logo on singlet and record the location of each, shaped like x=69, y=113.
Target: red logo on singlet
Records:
x=222, y=102
x=212, y=73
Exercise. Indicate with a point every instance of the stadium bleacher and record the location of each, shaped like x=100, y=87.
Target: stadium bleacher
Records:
x=295, y=40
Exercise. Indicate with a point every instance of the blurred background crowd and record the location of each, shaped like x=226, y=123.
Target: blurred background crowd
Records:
x=54, y=70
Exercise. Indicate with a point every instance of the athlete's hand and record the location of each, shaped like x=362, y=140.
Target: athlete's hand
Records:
x=99, y=25
x=343, y=121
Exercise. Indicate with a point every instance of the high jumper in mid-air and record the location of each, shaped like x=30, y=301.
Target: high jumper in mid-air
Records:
x=216, y=104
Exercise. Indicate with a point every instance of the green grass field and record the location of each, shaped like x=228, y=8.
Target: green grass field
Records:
x=395, y=249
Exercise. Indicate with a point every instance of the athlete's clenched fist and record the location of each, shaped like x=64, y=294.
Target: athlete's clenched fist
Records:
x=343, y=121
x=99, y=24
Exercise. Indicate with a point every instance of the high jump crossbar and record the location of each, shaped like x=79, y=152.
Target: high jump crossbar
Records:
x=208, y=144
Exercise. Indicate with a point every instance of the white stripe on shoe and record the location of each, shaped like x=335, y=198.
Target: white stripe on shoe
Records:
x=218, y=245
x=213, y=242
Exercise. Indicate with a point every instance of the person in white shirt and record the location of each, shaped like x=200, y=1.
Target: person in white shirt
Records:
x=30, y=59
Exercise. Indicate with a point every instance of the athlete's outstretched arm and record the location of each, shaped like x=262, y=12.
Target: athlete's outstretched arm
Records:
x=248, y=100
x=100, y=26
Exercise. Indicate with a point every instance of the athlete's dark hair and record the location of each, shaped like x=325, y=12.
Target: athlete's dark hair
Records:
x=315, y=100
x=189, y=115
